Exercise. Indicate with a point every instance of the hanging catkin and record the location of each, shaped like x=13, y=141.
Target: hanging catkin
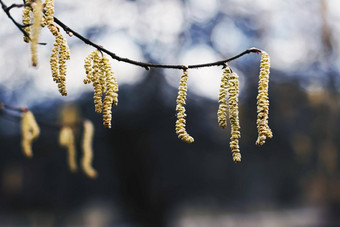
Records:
x=30, y=131
x=66, y=139
x=181, y=100
x=264, y=131
x=99, y=72
x=86, y=162
x=222, y=98
x=233, y=91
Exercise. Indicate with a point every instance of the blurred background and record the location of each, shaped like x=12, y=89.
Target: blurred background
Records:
x=148, y=177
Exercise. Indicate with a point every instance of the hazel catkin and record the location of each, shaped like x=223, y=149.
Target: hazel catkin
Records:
x=111, y=94
x=67, y=140
x=60, y=52
x=181, y=100
x=99, y=73
x=222, y=99
x=86, y=161
x=30, y=131
x=37, y=19
x=26, y=21
x=233, y=91
x=264, y=131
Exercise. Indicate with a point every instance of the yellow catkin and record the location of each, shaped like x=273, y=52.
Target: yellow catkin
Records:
x=181, y=100
x=111, y=94
x=64, y=55
x=49, y=12
x=30, y=131
x=88, y=67
x=66, y=139
x=264, y=131
x=99, y=73
x=37, y=18
x=26, y=20
x=98, y=93
x=222, y=99
x=102, y=75
x=54, y=62
x=86, y=162
x=233, y=91
x=60, y=52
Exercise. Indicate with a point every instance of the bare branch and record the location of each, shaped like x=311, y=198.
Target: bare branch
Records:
x=145, y=65
x=7, y=11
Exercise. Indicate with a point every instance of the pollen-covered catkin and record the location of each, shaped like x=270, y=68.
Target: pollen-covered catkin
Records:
x=60, y=52
x=37, y=18
x=49, y=13
x=99, y=73
x=66, y=139
x=26, y=20
x=233, y=91
x=54, y=62
x=264, y=131
x=88, y=68
x=98, y=92
x=30, y=131
x=64, y=55
x=86, y=162
x=222, y=99
x=181, y=100
x=111, y=94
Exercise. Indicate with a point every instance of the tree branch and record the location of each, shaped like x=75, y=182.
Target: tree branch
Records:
x=14, y=114
x=7, y=11
x=145, y=64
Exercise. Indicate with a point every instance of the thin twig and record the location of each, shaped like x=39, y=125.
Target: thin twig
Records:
x=14, y=114
x=145, y=65
x=7, y=11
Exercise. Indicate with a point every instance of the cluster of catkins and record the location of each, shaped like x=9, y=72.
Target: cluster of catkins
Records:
x=67, y=140
x=99, y=73
x=230, y=87
x=228, y=102
x=37, y=14
x=30, y=131
x=41, y=16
